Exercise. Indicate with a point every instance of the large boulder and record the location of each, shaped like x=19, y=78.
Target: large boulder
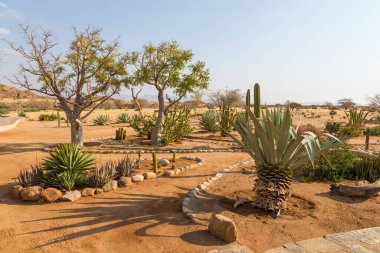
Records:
x=86, y=192
x=163, y=162
x=16, y=191
x=71, y=196
x=31, y=193
x=51, y=194
x=125, y=181
x=223, y=228
x=137, y=178
x=149, y=175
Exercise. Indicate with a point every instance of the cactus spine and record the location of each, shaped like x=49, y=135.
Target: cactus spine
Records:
x=173, y=160
x=256, y=100
x=120, y=134
x=247, y=104
x=155, y=162
x=59, y=119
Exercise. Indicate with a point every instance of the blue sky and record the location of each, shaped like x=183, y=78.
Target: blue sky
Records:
x=305, y=51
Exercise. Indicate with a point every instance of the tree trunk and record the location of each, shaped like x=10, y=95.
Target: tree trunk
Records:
x=356, y=191
x=157, y=130
x=76, y=132
x=272, y=188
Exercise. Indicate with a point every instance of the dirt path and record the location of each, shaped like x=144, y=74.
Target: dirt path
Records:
x=143, y=218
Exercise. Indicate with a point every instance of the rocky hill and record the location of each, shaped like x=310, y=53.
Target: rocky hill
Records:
x=9, y=92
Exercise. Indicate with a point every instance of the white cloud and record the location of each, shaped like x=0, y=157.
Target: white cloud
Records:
x=6, y=12
x=4, y=31
x=3, y=5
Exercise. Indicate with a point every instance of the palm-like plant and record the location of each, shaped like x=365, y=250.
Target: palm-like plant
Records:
x=356, y=117
x=277, y=150
x=66, y=166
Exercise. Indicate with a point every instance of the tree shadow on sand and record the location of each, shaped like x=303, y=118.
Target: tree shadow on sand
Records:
x=110, y=213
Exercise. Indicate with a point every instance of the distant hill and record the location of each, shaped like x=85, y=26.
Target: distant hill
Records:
x=10, y=92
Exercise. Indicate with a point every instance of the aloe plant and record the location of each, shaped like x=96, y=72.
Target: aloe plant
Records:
x=277, y=150
x=122, y=118
x=356, y=117
x=102, y=120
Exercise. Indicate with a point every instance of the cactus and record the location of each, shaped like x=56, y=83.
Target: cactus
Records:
x=59, y=119
x=227, y=114
x=247, y=104
x=176, y=125
x=256, y=100
x=173, y=160
x=120, y=134
x=138, y=160
x=155, y=162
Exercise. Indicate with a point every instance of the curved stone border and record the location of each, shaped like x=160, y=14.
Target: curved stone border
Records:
x=202, y=187
x=11, y=125
x=176, y=171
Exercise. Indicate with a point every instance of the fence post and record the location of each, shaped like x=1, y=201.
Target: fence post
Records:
x=366, y=132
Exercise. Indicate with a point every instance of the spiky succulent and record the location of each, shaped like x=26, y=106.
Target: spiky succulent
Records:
x=102, y=120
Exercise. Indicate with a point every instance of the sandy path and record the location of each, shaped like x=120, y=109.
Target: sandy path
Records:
x=143, y=218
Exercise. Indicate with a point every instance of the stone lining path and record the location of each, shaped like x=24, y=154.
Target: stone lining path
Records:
x=8, y=123
x=357, y=241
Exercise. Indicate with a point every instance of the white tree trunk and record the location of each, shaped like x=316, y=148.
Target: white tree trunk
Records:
x=156, y=138
x=76, y=132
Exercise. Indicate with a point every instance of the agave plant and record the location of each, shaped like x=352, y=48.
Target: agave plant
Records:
x=66, y=166
x=122, y=118
x=102, y=120
x=277, y=150
x=356, y=117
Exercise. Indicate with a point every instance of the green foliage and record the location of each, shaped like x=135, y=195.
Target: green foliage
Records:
x=226, y=114
x=294, y=105
x=257, y=100
x=155, y=162
x=47, y=117
x=368, y=168
x=143, y=124
x=122, y=118
x=335, y=165
x=102, y=120
x=30, y=177
x=356, y=117
x=333, y=127
x=350, y=131
x=176, y=125
x=121, y=134
x=125, y=166
x=241, y=117
x=101, y=175
x=22, y=114
x=59, y=119
x=4, y=109
x=247, y=103
x=209, y=121
x=66, y=167
x=375, y=131
x=276, y=143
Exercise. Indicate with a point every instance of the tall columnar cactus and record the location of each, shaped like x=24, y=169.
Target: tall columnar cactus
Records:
x=173, y=160
x=247, y=104
x=139, y=160
x=121, y=134
x=256, y=100
x=155, y=162
x=59, y=119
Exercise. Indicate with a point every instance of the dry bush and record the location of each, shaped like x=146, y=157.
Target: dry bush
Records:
x=309, y=128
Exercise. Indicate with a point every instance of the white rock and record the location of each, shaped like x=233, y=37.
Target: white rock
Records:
x=202, y=187
x=137, y=178
x=149, y=175
x=164, y=162
x=71, y=196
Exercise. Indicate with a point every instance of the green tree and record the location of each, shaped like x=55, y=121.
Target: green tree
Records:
x=82, y=79
x=168, y=66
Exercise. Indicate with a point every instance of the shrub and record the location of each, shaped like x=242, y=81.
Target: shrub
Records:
x=31, y=177
x=333, y=127
x=122, y=118
x=209, y=121
x=66, y=167
x=102, y=120
x=356, y=117
x=375, y=131
x=176, y=125
x=309, y=128
x=332, y=112
x=4, y=109
x=226, y=115
x=101, y=175
x=143, y=124
x=350, y=131
x=335, y=165
x=368, y=168
x=48, y=117
x=22, y=114
x=125, y=166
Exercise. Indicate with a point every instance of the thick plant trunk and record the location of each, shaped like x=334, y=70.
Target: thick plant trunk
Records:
x=157, y=130
x=272, y=188
x=76, y=132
